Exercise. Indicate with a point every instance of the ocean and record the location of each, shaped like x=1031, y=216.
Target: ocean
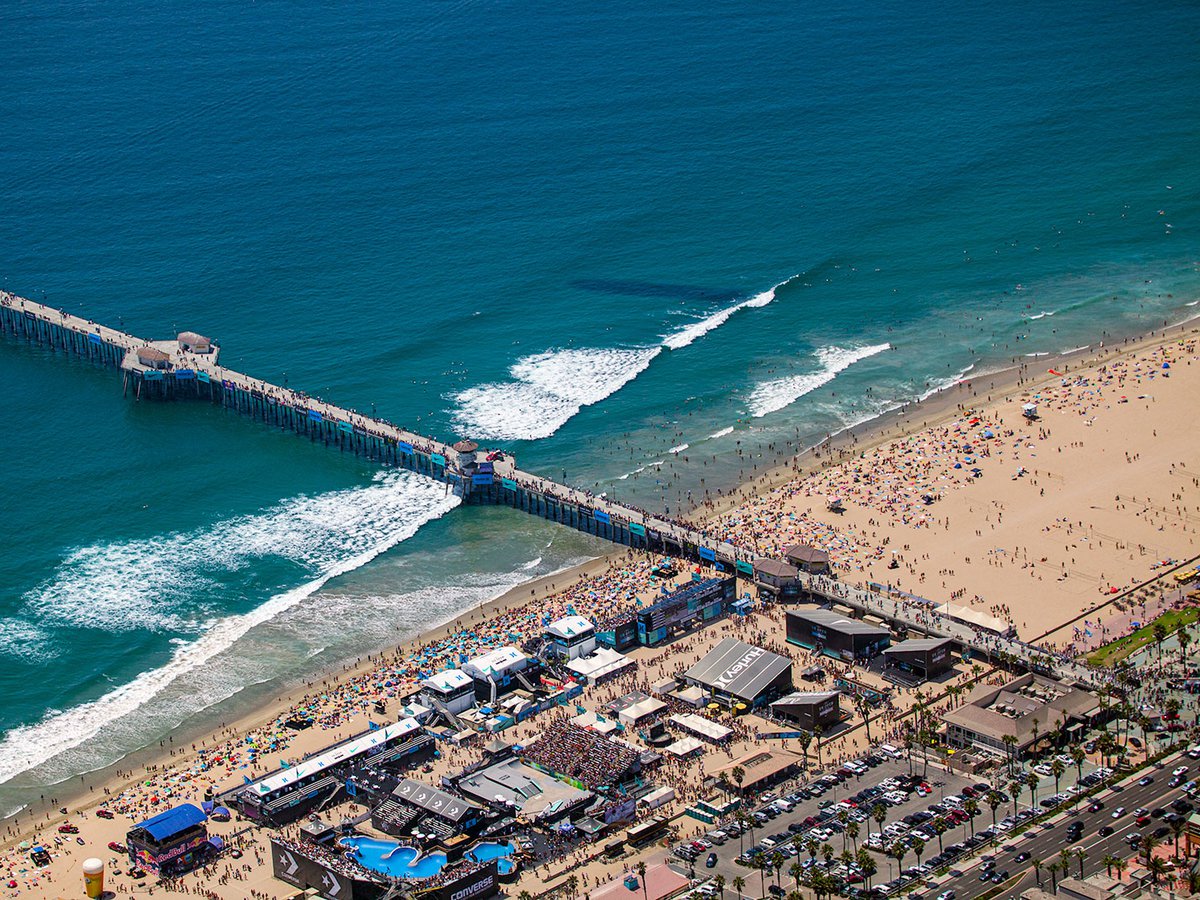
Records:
x=645, y=247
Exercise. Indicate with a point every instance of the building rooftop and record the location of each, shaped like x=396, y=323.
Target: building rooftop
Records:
x=1012, y=708
x=827, y=618
x=917, y=645
x=569, y=627
x=739, y=669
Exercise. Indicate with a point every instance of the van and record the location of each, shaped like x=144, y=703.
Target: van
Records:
x=889, y=750
x=717, y=837
x=785, y=804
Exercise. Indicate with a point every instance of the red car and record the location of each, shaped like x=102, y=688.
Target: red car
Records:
x=115, y=847
x=104, y=814
x=68, y=829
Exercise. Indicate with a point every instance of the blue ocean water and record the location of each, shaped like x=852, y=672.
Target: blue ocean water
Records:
x=589, y=235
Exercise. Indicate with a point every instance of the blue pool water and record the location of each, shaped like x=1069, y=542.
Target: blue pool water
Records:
x=499, y=852
x=393, y=859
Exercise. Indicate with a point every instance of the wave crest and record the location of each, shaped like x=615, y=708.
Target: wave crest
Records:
x=772, y=396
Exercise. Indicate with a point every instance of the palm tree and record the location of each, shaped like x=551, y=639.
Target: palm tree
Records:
x=1079, y=757
x=719, y=881
x=796, y=870
x=1108, y=861
x=1177, y=828
x=1032, y=781
x=1057, y=768
x=1157, y=866
x=1120, y=865
x=939, y=828
x=879, y=814
x=777, y=861
x=897, y=852
x=1160, y=635
x=805, y=740
x=1037, y=870
x=994, y=801
x=759, y=862
x=1184, y=639
x=738, y=774
x=1014, y=788
x=1149, y=844
x=863, y=707
x=739, y=884
x=827, y=853
x=1193, y=881
x=852, y=833
x=971, y=808
x=918, y=848
x=813, y=848
x=817, y=732
x=573, y=884
x=866, y=862
x=1081, y=855
x=1064, y=859
x=1010, y=742
x=641, y=870
x=1053, y=868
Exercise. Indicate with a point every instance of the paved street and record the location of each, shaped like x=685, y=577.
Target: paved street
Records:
x=1045, y=842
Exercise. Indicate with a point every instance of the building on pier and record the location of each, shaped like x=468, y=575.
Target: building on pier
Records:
x=190, y=342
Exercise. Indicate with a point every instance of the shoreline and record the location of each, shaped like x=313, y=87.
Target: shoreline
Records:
x=80, y=791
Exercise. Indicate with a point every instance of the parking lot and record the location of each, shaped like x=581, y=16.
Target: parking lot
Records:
x=835, y=814
x=815, y=818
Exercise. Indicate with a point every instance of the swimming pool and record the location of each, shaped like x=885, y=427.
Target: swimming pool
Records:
x=502, y=853
x=392, y=858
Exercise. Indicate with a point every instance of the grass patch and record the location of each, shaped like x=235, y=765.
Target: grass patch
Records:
x=1115, y=651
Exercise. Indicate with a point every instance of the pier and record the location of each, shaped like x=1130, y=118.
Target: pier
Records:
x=189, y=367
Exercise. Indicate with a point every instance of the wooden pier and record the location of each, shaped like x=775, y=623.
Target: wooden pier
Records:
x=189, y=367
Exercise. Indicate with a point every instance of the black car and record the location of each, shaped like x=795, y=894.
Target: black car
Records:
x=1000, y=877
x=710, y=861
x=1161, y=831
x=1158, y=812
x=1105, y=830
x=1021, y=857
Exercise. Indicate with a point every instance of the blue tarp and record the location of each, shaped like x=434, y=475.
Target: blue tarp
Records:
x=705, y=553
x=601, y=516
x=95, y=339
x=173, y=821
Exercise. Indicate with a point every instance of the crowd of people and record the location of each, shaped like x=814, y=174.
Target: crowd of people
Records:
x=581, y=755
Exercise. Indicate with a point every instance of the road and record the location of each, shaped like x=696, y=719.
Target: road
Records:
x=1044, y=842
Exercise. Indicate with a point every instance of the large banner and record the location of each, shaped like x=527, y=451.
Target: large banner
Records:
x=296, y=867
x=478, y=885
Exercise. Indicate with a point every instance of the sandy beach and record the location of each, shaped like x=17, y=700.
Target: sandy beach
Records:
x=957, y=498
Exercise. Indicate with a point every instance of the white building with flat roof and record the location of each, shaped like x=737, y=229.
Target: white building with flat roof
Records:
x=494, y=671
x=571, y=637
x=454, y=689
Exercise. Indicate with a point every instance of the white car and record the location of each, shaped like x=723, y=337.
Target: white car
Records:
x=1179, y=771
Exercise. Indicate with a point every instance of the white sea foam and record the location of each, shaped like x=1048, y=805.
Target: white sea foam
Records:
x=677, y=340
x=772, y=396
x=1042, y=315
x=679, y=449
x=330, y=534
x=549, y=389
x=941, y=384
x=22, y=638
x=721, y=433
